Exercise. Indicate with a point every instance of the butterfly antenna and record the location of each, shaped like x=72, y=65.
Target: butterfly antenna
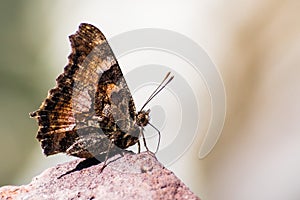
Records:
x=161, y=86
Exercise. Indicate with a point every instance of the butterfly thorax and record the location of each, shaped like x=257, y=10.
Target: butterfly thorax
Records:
x=142, y=118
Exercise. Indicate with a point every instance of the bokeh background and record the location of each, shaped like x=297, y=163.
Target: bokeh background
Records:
x=255, y=44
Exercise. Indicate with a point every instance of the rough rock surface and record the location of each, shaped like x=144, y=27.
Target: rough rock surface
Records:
x=128, y=176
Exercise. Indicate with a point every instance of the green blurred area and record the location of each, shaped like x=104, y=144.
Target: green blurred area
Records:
x=23, y=35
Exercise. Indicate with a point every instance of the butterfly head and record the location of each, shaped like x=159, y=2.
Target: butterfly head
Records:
x=142, y=118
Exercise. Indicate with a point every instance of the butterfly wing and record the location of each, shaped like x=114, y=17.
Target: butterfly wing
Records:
x=91, y=104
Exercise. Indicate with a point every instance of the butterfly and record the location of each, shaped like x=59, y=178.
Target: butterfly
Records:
x=90, y=111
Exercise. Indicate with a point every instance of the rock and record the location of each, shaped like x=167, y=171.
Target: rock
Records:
x=127, y=176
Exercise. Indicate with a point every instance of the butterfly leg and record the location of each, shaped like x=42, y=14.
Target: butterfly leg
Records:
x=106, y=157
x=139, y=147
x=144, y=140
x=159, y=136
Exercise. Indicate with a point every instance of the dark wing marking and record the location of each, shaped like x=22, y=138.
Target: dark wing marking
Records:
x=81, y=104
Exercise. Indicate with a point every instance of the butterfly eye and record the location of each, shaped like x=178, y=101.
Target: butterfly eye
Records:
x=142, y=118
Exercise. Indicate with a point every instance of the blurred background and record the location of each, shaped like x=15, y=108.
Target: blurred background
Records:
x=255, y=44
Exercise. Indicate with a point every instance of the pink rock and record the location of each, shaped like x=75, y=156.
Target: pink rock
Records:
x=131, y=176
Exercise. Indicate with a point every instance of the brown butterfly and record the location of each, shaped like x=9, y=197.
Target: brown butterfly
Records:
x=91, y=110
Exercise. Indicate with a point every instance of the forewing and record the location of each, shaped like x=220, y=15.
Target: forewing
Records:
x=80, y=106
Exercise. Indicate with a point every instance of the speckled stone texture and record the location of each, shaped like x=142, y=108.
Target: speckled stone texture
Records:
x=127, y=176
